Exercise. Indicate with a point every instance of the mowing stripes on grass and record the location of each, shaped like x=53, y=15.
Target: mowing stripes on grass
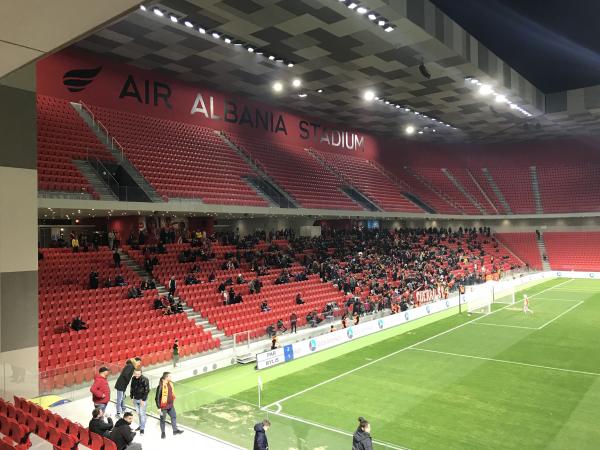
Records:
x=516, y=363
x=560, y=315
x=389, y=355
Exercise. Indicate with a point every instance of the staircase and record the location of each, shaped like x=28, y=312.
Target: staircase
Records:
x=226, y=342
x=462, y=189
x=542, y=248
x=90, y=174
x=290, y=201
x=348, y=189
x=496, y=189
x=539, y=209
x=440, y=194
x=267, y=191
x=404, y=188
x=476, y=183
x=115, y=149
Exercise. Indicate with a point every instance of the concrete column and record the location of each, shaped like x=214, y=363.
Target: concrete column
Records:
x=19, y=344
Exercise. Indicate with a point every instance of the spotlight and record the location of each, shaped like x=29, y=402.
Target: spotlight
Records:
x=227, y=40
x=272, y=58
x=158, y=12
x=485, y=89
x=397, y=106
x=513, y=106
x=409, y=130
x=188, y=24
x=216, y=35
x=290, y=64
x=237, y=44
x=320, y=91
x=377, y=98
x=424, y=71
x=372, y=16
x=174, y=19
x=387, y=102
x=250, y=49
x=143, y=8
x=500, y=98
x=381, y=23
x=296, y=82
x=421, y=132
x=277, y=86
x=433, y=130
x=473, y=80
x=202, y=30
x=361, y=10
x=352, y=5
x=302, y=95
x=388, y=29
x=369, y=95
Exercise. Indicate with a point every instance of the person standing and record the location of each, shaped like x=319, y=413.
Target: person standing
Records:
x=165, y=401
x=140, y=388
x=361, y=440
x=117, y=258
x=293, y=322
x=100, y=389
x=172, y=286
x=260, y=435
x=123, y=382
x=175, y=352
x=111, y=239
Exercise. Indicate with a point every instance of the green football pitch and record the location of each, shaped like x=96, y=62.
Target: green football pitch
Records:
x=505, y=380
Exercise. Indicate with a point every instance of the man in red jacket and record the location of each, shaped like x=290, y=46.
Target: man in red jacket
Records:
x=100, y=389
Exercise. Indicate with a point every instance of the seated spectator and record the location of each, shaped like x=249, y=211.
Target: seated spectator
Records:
x=195, y=269
x=240, y=279
x=231, y=299
x=264, y=307
x=190, y=279
x=168, y=311
x=280, y=326
x=120, y=281
x=98, y=424
x=93, y=279
x=271, y=330
x=238, y=298
x=144, y=285
x=221, y=287
x=212, y=277
x=134, y=292
x=299, y=300
x=77, y=324
x=177, y=308
x=152, y=284
x=122, y=434
x=158, y=304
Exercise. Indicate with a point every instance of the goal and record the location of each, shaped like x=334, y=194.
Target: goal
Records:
x=504, y=295
x=480, y=301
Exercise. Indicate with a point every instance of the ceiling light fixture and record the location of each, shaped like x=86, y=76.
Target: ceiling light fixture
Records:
x=500, y=98
x=158, y=12
x=372, y=16
x=302, y=95
x=290, y=64
x=143, y=8
x=227, y=40
x=216, y=35
x=369, y=95
x=202, y=30
x=381, y=23
x=278, y=86
x=174, y=19
x=352, y=5
x=296, y=82
x=251, y=49
x=409, y=130
x=388, y=29
x=271, y=58
x=320, y=91
x=485, y=89
x=361, y=10
x=188, y=24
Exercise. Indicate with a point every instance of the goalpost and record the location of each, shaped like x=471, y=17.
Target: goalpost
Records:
x=481, y=300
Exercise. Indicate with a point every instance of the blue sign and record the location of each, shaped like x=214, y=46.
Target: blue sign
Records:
x=350, y=333
x=288, y=352
x=380, y=324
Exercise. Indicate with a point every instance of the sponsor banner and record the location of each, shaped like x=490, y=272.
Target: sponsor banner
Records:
x=325, y=341
x=76, y=75
x=580, y=275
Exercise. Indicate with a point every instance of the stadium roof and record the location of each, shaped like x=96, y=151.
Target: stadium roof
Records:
x=338, y=46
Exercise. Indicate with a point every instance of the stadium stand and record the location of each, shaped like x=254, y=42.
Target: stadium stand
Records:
x=296, y=171
x=466, y=179
x=515, y=185
x=573, y=250
x=524, y=245
x=417, y=186
x=569, y=188
x=69, y=357
x=363, y=175
x=63, y=137
x=181, y=160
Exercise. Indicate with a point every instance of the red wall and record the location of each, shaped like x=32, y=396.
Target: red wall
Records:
x=124, y=225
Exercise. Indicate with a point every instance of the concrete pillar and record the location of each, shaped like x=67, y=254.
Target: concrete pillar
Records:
x=19, y=344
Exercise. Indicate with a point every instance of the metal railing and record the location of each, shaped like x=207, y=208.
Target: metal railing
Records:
x=114, y=144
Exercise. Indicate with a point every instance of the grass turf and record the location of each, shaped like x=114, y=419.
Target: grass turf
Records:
x=502, y=381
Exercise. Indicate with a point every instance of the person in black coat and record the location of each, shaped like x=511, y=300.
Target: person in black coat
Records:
x=362, y=436
x=260, y=435
x=98, y=425
x=172, y=286
x=140, y=388
x=117, y=258
x=123, y=382
x=122, y=435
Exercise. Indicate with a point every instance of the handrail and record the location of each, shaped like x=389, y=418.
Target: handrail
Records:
x=101, y=126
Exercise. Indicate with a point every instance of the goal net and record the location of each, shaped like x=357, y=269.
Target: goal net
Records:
x=480, y=301
x=504, y=295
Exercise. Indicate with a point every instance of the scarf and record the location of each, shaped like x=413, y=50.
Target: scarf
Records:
x=164, y=396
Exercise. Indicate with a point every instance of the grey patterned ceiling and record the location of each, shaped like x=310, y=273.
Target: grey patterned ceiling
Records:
x=343, y=53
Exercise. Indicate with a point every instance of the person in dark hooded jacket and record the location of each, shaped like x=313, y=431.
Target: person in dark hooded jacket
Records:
x=122, y=435
x=260, y=435
x=362, y=437
x=123, y=382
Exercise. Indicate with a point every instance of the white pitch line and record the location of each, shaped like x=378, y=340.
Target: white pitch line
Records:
x=389, y=355
x=335, y=430
x=561, y=314
x=557, y=299
x=504, y=361
x=506, y=326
